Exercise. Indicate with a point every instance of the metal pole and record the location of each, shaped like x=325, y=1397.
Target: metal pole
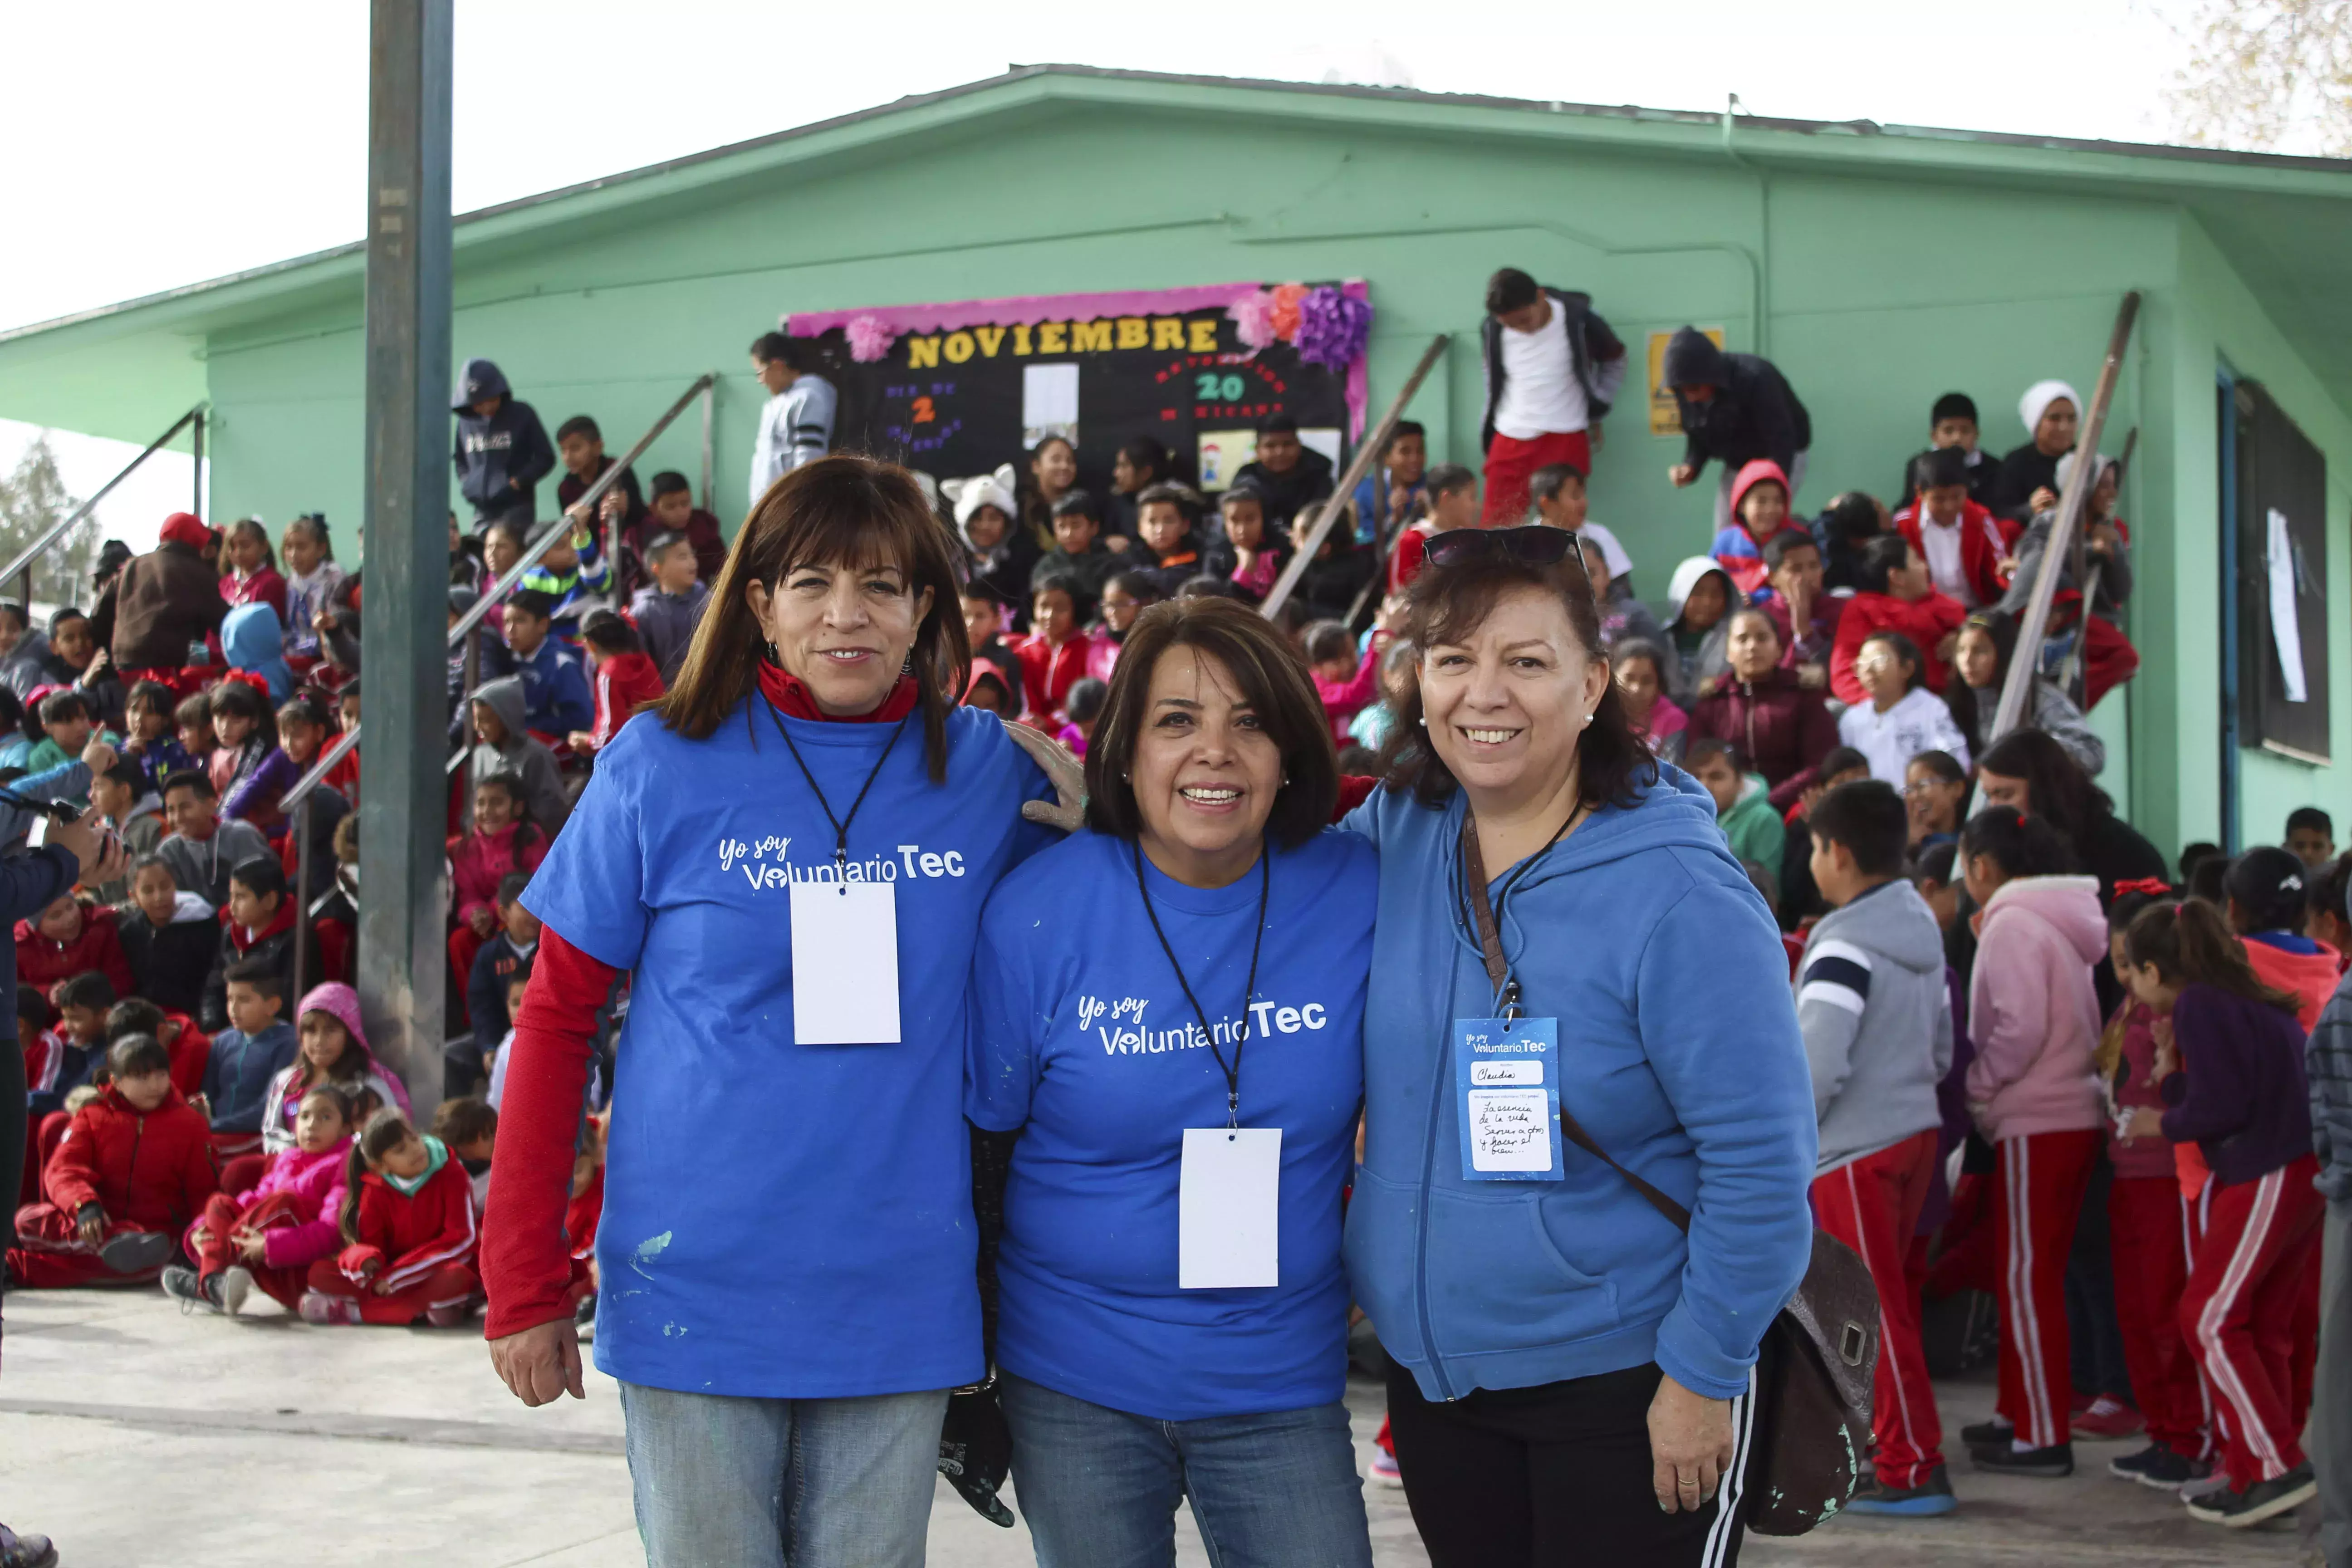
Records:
x=302, y=897
x=196, y=495
x=401, y=967
x=1366, y=450
x=23, y=563
x=709, y=408
x=2027, y=665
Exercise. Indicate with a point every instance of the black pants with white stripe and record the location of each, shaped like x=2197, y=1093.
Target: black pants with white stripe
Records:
x=1552, y=1476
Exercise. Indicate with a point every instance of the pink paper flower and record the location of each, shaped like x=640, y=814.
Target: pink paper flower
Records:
x=1253, y=319
x=1288, y=298
x=1333, y=328
x=870, y=338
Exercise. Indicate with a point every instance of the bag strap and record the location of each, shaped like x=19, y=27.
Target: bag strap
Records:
x=1498, y=971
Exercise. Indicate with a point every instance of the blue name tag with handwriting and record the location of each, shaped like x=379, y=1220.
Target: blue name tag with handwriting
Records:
x=1506, y=1097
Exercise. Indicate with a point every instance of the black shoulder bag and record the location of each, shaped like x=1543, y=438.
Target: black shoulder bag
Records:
x=1814, y=1370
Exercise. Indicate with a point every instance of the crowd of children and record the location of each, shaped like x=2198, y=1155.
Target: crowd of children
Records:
x=2019, y=1029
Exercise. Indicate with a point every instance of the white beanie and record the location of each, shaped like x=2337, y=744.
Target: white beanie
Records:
x=2038, y=399
x=982, y=490
x=2066, y=466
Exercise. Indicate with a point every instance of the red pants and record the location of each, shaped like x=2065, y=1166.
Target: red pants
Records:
x=1873, y=1206
x=2038, y=1182
x=1510, y=462
x=243, y=1172
x=221, y=1218
x=451, y=1285
x=2148, y=1243
x=50, y=1254
x=2247, y=1284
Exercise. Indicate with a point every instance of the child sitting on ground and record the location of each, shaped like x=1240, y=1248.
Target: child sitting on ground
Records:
x=2229, y=1060
x=77, y=1023
x=1878, y=1034
x=53, y=1068
x=270, y=1235
x=134, y=1167
x=247, y=1057
x=407, y=1226
x=469, y=1127
x=333, y=1050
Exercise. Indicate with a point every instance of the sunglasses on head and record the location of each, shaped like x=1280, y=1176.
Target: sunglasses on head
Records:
x=1534, y=543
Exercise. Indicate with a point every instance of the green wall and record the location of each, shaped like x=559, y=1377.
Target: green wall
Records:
x=1882, y=292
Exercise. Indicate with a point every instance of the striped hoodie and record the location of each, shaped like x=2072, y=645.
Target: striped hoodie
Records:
x=1877, y=1021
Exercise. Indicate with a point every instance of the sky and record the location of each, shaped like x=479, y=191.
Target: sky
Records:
x=151, y=144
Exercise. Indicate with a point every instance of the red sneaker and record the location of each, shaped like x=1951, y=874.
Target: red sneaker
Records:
x=2108, y=1420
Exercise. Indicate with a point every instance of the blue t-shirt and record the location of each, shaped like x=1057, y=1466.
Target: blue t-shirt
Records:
x=784, y=1221
x=1082, y=1036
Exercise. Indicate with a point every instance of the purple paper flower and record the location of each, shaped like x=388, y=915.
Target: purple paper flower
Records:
x=870, y=338
x=1332, y=328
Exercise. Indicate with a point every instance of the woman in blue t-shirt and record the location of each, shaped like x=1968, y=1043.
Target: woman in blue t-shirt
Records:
x=790, y=855
x=1168, y=1009
x=1570, y=1375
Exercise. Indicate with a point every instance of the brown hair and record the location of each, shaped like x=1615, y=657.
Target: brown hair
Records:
x=1271, y=680
x=2188, y=943
x=1446, y=604
x=841, y=511
x=385, y=1131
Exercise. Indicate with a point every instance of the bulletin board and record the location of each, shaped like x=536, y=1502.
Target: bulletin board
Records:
x=2281, y=540
x=956, y=389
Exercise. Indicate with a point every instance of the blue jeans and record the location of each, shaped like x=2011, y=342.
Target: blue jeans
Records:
x=1099, y=1486
x=761, y=1483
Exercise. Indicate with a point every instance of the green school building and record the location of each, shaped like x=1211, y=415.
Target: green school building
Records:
x=1879, y=265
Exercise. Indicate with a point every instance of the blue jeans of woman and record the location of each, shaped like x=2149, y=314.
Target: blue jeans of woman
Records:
x=1099, y=1486
x=761, y=1483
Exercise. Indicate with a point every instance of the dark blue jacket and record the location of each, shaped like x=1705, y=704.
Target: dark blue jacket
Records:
x=556, y=699
x=238, y=1074
x=499, y=459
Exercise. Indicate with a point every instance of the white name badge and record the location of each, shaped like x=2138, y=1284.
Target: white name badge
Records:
x=1228, y=1203
x=844, y=963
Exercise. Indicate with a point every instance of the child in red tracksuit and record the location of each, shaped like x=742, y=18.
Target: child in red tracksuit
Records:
x=134, y=1167
x=2033, y=1016
x=2231, y=1063
x=270, y=1236
x=71, y=938
x=2149, y=1228
x=504, y=840
x=407, y=1224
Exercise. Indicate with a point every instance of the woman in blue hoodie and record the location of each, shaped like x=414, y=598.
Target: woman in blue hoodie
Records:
x=1571, y=1373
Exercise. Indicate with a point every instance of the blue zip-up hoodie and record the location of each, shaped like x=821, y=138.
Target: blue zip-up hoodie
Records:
x=555, y=695
x=1680, y=1055
x=238, y=1072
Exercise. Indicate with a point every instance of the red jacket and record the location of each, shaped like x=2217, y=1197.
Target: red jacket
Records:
x=1927, y=622
x=151, y=1169
x=41, y=962
x=1813, y=646
x=408, y=1237
x=192, y=1050
x=1780, y=727
x=1983, y=542
x=480, y=861
x=621, y=682
x=1048, y=673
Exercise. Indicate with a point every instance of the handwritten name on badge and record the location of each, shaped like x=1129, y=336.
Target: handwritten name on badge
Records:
x=761, y=863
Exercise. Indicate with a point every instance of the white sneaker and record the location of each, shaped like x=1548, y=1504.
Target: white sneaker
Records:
x=1384, y=1469
x=2219, y=1480
x=237, y=1286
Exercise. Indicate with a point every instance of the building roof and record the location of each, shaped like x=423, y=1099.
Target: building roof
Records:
x=2281, y=220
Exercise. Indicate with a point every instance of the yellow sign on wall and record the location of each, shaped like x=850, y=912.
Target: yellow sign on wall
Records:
x=1666, y=419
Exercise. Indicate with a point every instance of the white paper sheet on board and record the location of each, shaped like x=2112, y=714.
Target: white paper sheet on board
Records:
x=2286, y=626
x=1049, y=403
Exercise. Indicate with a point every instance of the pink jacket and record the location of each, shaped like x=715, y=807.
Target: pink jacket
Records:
x=1343, y=699
x=2032, y=1011
x=315, y=1182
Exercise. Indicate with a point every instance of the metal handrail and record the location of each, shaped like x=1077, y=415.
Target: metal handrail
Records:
x=302, y=788
x=33, y=551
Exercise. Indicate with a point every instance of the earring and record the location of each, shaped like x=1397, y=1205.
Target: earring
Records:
x=1285, y=781
x=771, y=654
x=1424, y=723
x=908, y=668
x=1588, y=720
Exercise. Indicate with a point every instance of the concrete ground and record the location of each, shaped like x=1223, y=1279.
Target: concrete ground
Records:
x=136, y=1435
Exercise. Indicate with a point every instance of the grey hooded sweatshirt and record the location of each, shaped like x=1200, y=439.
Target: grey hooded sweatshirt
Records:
x=529, y=760
x=1877, y=1022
